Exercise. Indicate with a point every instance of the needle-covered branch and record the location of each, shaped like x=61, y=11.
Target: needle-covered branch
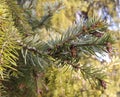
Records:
x=88, y=38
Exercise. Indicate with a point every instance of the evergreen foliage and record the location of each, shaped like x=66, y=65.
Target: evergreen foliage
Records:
x=30, y=65
x=9, y=37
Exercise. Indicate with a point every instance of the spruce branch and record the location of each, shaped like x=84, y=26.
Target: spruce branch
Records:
x=85, y=38
x=90, y=27
x=34, y=57
x=78, y=39
x=88, y=38
x=90, y=73
x=8, y=45
x=32, y=49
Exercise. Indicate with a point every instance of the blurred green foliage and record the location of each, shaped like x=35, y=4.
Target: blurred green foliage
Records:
x=55, y=81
